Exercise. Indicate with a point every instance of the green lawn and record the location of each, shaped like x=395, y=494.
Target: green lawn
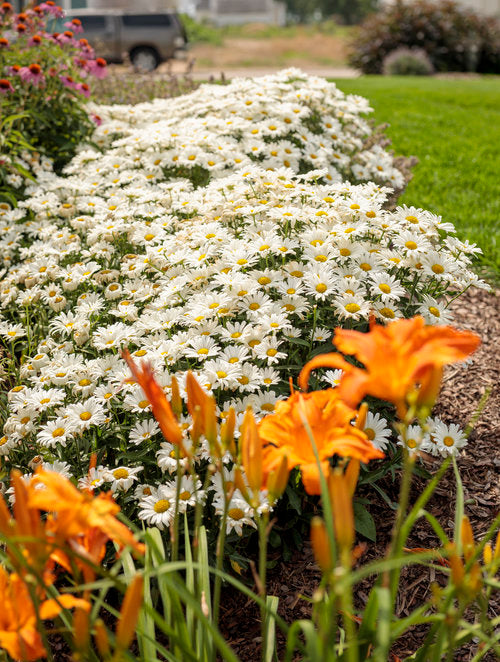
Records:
x=453, y=127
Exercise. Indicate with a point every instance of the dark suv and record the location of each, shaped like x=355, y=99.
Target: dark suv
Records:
x=148, y=38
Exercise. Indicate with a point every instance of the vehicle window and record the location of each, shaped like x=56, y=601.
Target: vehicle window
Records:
x=146, y=20
x=92, y=23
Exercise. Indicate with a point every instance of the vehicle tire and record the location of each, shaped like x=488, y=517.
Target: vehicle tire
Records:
x=144, y=59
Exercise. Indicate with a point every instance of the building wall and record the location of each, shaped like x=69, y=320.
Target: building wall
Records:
x=482, y=7
x=233, y=12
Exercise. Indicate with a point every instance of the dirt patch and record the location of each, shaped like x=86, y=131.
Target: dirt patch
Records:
x=301, y=49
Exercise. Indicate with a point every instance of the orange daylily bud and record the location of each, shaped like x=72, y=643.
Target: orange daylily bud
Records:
x=251, y=452
x=352, y=475
x=321, y=545
x=176, y=400
x=227, y=431
x=487, y=554
x=162, y=410
x=467, y=538
x=343, y=514
x=197, y=426
x=361, y=417
x=239, y=483
x=81, y=629
x=277, y=479
x=129, y=613
x=210, y=425
x=101, y=639
x=195, y=394
x=456, y=565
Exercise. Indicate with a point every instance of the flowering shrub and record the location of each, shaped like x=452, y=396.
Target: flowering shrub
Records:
x=286, y=120
x=454, y=37
x=240, y=282
x=43, y=86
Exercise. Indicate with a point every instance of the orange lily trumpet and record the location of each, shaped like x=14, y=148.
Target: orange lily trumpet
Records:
x=396, y=358
x=284, y=434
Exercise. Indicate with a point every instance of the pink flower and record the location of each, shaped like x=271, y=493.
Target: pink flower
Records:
x=98, y=67
x=83, y=88
x=35, y=40
x=65, y=38
x=5, y=86
x=97, y=119
x=51, y=8
x=75, y=24
x=68, y=81
x=32, y=74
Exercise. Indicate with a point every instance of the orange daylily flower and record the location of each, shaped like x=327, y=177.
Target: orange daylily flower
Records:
x=396, y=357
x=162, y=410
x=284, y=434
x=26, y=523
x=77, y=511
x=18, y=619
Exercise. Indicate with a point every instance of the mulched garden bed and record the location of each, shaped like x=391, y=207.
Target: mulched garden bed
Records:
x=463, y=387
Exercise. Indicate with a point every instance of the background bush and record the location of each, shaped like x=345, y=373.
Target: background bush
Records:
x=454, y=38
x=408, y=62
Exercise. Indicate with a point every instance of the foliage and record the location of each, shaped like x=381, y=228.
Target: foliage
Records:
x=132, y=88
x=454, y=38
x=43, y=90
x=56, y=537
x=407, y=62
x=347, y=11
x=199, y=32
x=446, y=121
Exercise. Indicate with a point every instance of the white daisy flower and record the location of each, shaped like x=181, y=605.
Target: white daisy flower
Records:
x=159, y=508
x=122, y=478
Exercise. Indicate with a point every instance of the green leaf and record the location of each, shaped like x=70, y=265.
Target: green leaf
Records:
x=363, y=522
x=294, y=499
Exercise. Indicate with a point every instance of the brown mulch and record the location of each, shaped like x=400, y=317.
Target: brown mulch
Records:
x=463, y=387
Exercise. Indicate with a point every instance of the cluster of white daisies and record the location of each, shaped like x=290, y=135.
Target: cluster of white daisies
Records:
x=239, y=281
x=288, y=119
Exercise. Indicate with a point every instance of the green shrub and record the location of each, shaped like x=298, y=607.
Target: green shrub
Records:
x=201, y=32
x=454, y=38
x=408, y=62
